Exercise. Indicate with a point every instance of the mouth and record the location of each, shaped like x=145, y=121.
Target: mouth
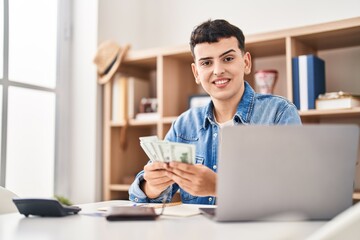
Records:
x=221, y=82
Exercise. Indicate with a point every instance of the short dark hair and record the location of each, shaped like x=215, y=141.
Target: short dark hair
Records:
x=213, y=30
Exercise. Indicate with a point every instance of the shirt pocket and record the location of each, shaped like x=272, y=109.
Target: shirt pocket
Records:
x=187, y=139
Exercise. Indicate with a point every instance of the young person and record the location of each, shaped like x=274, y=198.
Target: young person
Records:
x=220, y=63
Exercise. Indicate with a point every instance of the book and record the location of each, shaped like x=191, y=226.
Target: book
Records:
x=308, y=80
x=119, y=111
x=127, y=93
x=137, y=90
x=337, y=100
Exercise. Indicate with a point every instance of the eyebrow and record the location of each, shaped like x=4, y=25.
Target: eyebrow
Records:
x=207, y=58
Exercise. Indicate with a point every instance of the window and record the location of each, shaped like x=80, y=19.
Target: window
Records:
x=28, y=91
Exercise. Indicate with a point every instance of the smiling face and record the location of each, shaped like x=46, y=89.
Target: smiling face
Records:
x=220, y=68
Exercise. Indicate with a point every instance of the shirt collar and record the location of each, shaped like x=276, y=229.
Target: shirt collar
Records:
x=209, y=115
x=243, y=111
x=246, y=104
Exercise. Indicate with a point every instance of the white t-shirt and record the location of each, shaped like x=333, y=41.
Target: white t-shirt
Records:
x=226, y=124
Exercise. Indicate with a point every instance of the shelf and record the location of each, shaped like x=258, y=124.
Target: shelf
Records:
x=169, y=120
x=135, y=122
x=343, y=33
x=117, y=124
x=268, y=48
x=172, y=82
x=354, y=112
x=148, y=58
x=119, y=187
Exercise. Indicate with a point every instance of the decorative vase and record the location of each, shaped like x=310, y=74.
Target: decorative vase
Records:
x=265, y=81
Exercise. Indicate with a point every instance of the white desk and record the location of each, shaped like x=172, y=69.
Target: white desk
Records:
x=15, y=226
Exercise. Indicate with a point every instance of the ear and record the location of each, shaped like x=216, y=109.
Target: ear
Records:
x=247, y=60
x=195, y=72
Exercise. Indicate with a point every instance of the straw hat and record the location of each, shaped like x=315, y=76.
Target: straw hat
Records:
x=108, y=58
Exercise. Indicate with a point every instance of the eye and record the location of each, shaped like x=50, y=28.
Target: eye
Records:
x=228, y=59
x=205, y=63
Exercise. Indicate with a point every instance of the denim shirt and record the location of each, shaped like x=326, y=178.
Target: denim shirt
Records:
x=198, y=126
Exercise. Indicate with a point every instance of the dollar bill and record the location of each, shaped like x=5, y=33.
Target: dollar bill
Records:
x=165, y=151
x=182, y=152
x=158, y=151
x=149, y=139
x=148, y=152
x=146, y=144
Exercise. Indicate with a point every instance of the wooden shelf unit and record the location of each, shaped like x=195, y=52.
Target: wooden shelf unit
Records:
x=175, y=83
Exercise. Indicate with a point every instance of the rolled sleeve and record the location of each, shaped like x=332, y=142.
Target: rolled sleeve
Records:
x=137, y=195
x=135, y=192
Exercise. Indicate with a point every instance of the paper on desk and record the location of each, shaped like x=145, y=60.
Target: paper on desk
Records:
x=171, y=209
x=182, y=210
x=127, y=204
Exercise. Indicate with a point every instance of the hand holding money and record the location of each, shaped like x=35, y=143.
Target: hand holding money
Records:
x=164, y=151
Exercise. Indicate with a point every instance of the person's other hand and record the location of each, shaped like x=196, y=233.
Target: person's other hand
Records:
x=156, y=179
x=198, y=180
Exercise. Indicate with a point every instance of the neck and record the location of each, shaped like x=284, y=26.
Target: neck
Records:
x=224, y=110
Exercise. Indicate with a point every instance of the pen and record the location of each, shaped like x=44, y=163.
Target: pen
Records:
x=138, y=204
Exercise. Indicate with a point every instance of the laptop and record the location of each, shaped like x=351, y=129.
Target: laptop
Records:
x=285, y=172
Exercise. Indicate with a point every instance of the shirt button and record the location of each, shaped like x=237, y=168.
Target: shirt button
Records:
x=210, y=199
x=215, y=134
x=136, y=199
x=214, y=167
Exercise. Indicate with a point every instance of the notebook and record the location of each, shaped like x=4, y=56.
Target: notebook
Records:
x=285, y=172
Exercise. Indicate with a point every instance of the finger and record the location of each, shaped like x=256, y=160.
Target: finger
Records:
x=182, y=182
x=149, y=175
x=182, y=166
x=155, y=190
x=155, y=166
x=157, y=181
x=161, y=185
x=179, y=179
x=182, y=174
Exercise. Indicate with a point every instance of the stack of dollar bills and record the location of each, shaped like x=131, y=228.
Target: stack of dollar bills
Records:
x=164, y=151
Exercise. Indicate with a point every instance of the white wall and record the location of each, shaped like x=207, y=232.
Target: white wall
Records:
x=154, y=23
x=84, y=165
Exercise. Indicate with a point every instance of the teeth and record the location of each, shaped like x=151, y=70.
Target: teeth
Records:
x=221, y=81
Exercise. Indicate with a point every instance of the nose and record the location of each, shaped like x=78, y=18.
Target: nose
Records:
x=218, y=69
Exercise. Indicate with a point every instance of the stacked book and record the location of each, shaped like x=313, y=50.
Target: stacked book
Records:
x=337, y=100
x=308, y=80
